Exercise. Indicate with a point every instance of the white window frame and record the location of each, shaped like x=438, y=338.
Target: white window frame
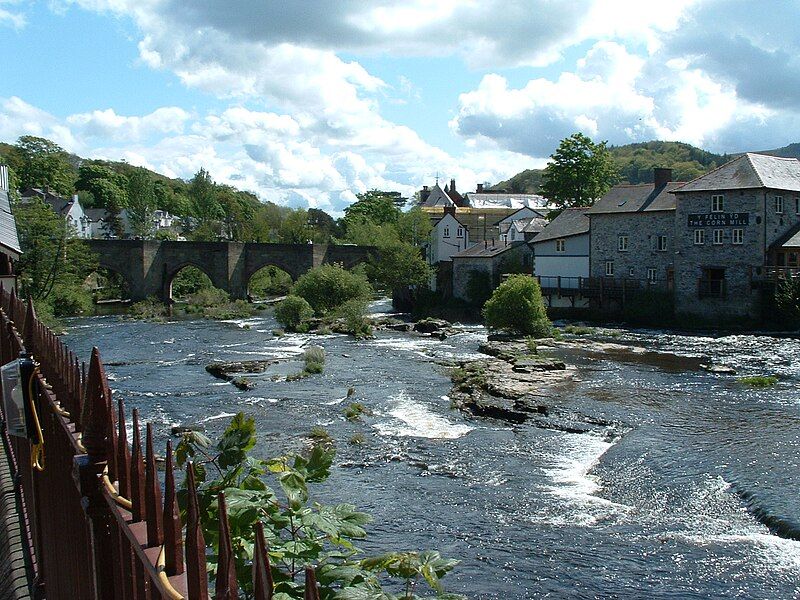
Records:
x=778, y=205
x=446, y=232
x=651, y=274
x=609, y=268
x=717, y=203
x=622, y=243
x=561, y=245
x=699, y=237
x=737, y=237
x=662, y=243
x=460, y=232
x=630, y=272
x=719, y=237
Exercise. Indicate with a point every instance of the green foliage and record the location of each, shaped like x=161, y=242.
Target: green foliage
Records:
x=270, y=281
x=517, y=305
x=292, y=311
x=54, y=264
x=43, y=164
x=150, y=309
x=108, y=188
x=787, y=301
x=374, y=206
x=294, y=228
x=479, y=286
x=528, y=181
x=190, y=280
x=327, y=287
x=203, y=202
x=580, y=172
x=635, y=162
x=314, y=358
x=759, y=380
x=354, y=314
x=141, y=203
x=299, y=531
x=354, y=410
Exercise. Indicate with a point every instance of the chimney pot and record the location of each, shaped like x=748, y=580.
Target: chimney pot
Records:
x=452, y=185
x=661, y=177
x=480, y=188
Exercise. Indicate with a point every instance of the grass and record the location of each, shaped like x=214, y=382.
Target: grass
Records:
x=356, y=440
x=355, y=410
x=151, y=309
x=314, y=358
x=577, y=329
x=320, y=435
x=762, y=381
x=278, y=333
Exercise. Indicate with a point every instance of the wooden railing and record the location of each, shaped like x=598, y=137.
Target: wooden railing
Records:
x=99, y=525
x=596, y=286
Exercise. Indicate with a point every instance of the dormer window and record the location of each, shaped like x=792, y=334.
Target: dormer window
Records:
x=717, y=203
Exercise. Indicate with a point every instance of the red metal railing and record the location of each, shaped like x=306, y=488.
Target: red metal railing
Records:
x=99, y=526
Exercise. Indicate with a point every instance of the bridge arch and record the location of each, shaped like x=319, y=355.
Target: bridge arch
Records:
x=104, y=277
x=269, y=280
x=174, y=271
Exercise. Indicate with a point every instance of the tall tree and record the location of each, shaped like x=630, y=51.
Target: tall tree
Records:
x=579, y=173
x=294, y=229
x=141, y=203
x=375, y=206
x=44, y=164
x=203, y=199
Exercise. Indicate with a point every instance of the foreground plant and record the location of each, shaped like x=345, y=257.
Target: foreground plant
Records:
x=299, y=531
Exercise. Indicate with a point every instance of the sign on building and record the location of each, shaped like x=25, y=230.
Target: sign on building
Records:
x=719, y=220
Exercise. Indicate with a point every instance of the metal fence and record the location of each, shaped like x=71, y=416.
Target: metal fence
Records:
x=99, y=524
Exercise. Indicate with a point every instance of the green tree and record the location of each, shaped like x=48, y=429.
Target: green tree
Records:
x=108, y=188
x=375, y=206
x=294, y=227
x=44, y=164
x=141, y=203
x=54, y=264
x=580, y=172
x=292, y=311
x=517, y=305
x=327, y=287
x=203, y=199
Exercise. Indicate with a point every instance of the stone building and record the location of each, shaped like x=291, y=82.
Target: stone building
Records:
x=732, y=225
x=488, y=260
x=633, y=231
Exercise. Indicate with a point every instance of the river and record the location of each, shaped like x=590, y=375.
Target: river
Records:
x=671, y=508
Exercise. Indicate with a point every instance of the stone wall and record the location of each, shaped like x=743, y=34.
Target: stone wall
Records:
x=463, y=267
x=642, y=229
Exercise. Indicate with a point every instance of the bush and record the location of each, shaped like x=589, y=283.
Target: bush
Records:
x=208, y=297
x=355, y=321
x=270, y=281
x=69, y=300
x=479, y=287
x=517, y=305
x=327, y=287
x=292, y=311
x=151, y=309
x=787, y=301
x=314, y=358
x=190, y=280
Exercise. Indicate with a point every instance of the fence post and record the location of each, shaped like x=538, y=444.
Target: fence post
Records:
x=262, y=572
x=90, y=467
x=225, y=585
x=196, y=574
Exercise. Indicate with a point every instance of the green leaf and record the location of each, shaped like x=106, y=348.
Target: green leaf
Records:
x=294, y=485
x=238, y=439
x=319, y=463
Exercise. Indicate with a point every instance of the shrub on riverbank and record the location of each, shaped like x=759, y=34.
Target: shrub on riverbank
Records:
x=517, y=305
x=354, y=315
x=292, y=311
x=300, y=531
x=150, y=309
x=328, y=287
x=314, y=358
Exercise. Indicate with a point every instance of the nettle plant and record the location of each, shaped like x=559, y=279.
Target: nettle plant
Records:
x=299, y=531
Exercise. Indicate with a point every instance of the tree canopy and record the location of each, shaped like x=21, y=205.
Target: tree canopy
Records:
x=581, y=171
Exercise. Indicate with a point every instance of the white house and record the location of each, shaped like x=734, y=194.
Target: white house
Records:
x=561, y=254
x=513, y=226
x=69, y=209
x=448, y=237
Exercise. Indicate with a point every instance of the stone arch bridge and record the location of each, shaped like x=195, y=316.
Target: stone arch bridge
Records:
x=149, y=267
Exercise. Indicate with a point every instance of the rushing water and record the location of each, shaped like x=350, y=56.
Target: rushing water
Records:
x=673, y=508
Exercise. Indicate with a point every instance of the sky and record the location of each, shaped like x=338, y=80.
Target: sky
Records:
x=309, y=102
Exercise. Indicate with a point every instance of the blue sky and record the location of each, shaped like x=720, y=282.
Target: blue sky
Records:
x=309, y=103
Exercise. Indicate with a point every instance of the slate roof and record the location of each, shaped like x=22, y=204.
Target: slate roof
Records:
x=642, y=197
x=749, y=171
x=571, y=221
x=59, y=205
x=493, y=248
x=535, y=226
x=8, y=227
x=438, y=197
x=790, y=239
x=96, y=214
x=478, y=200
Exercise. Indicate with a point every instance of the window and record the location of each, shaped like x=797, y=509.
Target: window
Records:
x=797, y=205
x=622, y=243
x=651, y=275
x=717, y=203
x=712, y=283
x=609, y=268
x=779, y=205
x=460, y=232
x=561, y=245
x=738, y=236
x=513, y=235
x=718, y=236
x=792, y=260
x=699, y=237
x=446, y=232
x=661, y=244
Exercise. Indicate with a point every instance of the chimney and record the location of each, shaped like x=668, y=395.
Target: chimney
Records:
x=423, y=195
x=661, y=177
x=450, y=210
x=480, y=189
x=452, y=185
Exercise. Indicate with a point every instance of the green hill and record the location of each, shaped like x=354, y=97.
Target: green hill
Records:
x=635, y=163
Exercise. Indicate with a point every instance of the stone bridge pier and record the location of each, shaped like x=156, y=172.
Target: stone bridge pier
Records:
x=149, y=267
